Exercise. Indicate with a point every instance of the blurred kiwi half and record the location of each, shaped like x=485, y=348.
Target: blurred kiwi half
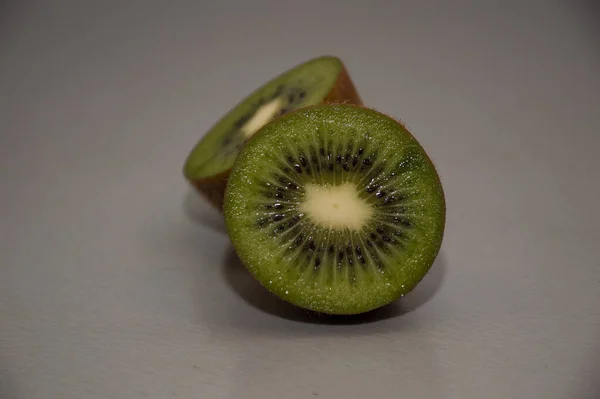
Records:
x=321, y=80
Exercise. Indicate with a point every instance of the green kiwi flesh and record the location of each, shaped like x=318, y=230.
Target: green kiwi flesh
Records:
x=304, y=85
x=335, y=208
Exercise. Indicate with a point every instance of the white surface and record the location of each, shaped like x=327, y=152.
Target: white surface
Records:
x=116, y=283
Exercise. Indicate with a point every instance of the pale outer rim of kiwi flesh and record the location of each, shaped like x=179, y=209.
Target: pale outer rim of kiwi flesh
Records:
x=212, y=188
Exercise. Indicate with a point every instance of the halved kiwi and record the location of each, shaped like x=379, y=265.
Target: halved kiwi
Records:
x=319, y=80
x=335, y=208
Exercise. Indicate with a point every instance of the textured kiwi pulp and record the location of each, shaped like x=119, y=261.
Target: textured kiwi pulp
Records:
x=313, y=82
x=335, y=208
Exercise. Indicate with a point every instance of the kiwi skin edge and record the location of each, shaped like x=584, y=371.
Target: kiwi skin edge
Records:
x=212, y=188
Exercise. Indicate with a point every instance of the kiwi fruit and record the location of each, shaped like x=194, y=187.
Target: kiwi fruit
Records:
x=335, y=208
x=319, y=80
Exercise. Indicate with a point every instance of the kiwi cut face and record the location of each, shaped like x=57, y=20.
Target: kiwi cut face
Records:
x=336, y=209
x=322, y=79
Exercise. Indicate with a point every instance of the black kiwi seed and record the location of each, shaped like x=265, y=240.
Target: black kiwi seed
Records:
x=349, y=252
x=303, y=161
x=241, y=121
x=374, y=255
x=317, y=261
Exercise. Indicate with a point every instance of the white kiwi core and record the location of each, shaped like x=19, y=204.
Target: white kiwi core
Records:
x=336, y=207
x=261, y=117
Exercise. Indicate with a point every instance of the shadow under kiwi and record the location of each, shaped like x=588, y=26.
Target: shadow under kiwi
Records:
x=253, y=293
x=201, y=211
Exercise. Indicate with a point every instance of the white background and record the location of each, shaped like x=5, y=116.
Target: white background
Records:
x=116, y=281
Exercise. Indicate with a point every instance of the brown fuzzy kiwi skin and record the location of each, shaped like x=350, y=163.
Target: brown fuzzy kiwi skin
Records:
x=343, y=91
x=212, y=188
